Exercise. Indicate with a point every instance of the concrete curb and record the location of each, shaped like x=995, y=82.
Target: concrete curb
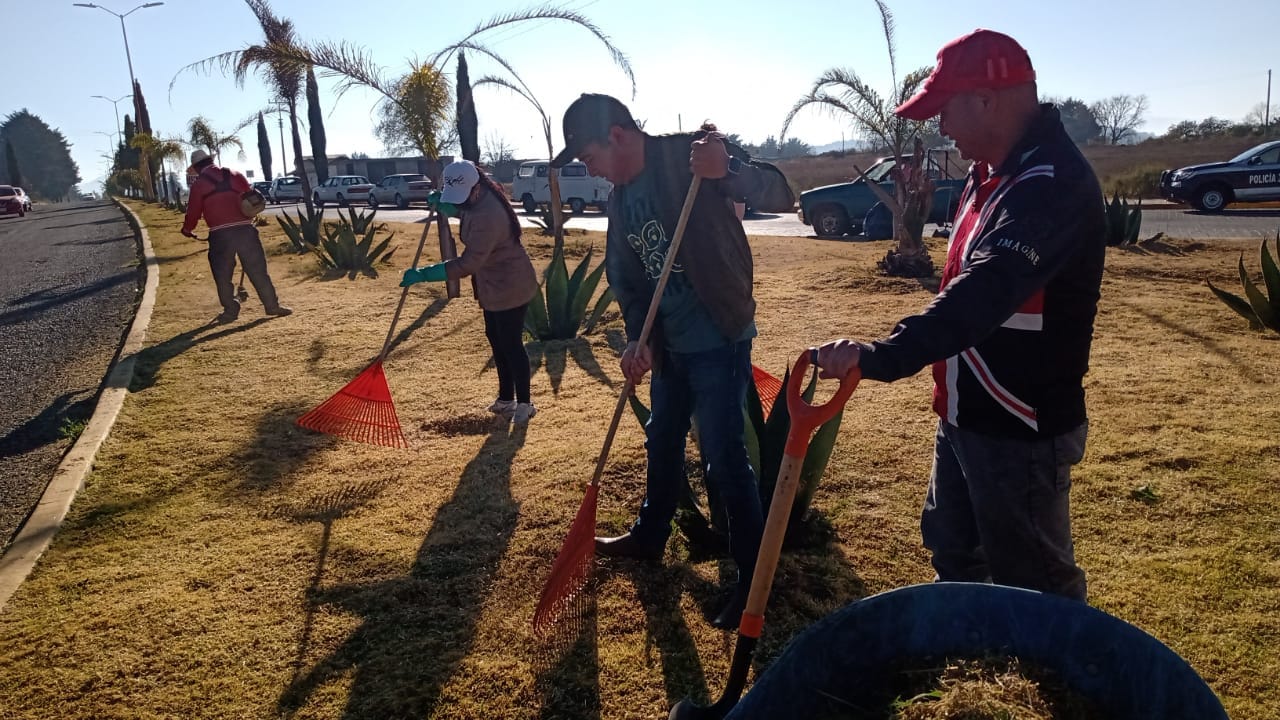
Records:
x=38, y=530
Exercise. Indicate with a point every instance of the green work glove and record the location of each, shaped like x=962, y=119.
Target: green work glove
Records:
x=430, y=273
x=444, y=208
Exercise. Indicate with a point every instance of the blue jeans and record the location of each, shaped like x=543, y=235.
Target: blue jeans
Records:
x=998, y=510
x=710, y=387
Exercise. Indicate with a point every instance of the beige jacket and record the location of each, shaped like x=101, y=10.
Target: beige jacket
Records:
x=502, y=275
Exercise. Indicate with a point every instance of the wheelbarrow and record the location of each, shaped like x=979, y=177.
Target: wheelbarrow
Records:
x=849, y=657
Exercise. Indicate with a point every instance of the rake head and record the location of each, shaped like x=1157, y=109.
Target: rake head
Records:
x=767, y=387
x=563, y=596
x=362, y=411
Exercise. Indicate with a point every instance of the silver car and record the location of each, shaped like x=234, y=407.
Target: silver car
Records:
x=400, y=189
x=286, y=188
x=342, y=189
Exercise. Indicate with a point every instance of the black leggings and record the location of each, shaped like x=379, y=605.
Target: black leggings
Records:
x=505, y=330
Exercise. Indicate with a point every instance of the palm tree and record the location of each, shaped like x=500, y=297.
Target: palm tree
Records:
x=513, y=82
x=842, y=93
x=157, y=151
x=275, y=62
x=201, y=134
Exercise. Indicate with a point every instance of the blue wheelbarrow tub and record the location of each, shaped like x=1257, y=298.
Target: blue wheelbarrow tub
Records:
x=853, y=653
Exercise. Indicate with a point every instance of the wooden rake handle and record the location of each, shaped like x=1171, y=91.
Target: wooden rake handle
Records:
x=649, y=318
x=404, y=292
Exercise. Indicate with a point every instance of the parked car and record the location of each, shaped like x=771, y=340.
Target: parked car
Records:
x=1251, y=176
x=10, y=203
x=532, y=187
x=263, y=187
x=836, y=210
x=24, y=197
x=285, y=188
x=401, y=190
x=342, y=189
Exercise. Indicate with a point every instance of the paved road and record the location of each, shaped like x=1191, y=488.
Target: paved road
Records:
x=1173, y=222
x=68, y=283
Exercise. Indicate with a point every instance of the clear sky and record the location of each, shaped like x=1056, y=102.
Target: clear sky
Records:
x=740, y=63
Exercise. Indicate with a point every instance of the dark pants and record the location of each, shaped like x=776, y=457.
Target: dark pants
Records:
x=998, y=510
x=225, y=245
x=505, y=330
x=709, y=387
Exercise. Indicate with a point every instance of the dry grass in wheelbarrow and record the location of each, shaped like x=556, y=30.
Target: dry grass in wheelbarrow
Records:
x=222, y=563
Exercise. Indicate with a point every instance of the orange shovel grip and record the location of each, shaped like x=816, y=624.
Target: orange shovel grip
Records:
x=805, y=418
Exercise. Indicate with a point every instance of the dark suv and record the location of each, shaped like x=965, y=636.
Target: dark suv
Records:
x=1251, y=176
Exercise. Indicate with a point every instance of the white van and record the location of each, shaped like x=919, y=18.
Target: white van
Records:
x=531, y=187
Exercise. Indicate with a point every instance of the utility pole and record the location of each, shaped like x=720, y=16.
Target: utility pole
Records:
x=129, y=58
x=284, y=160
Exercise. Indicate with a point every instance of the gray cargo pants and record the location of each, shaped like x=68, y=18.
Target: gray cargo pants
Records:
x=998, y=510
x=225, y=245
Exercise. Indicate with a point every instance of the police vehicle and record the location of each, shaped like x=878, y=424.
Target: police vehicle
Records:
x=1251, y=176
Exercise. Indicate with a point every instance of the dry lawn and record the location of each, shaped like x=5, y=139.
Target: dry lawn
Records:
x=222, y=563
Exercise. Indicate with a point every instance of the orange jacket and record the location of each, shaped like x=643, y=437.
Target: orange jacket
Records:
x=220, y=209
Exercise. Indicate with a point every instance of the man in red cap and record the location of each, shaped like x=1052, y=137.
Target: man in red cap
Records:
x=1008, y=336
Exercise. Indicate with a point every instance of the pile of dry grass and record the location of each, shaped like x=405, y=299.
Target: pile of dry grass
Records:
x=995, y=689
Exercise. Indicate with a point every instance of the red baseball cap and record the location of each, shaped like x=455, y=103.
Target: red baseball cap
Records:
x=981, y=59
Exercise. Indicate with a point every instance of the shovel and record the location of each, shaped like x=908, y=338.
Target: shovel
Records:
x=805, y=419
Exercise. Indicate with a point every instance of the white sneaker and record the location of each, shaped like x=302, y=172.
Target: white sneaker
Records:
x=502, y=407
x=524, y=412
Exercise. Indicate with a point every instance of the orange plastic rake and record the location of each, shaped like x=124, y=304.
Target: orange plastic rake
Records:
x=362, y=410
x=767, y=388
x=572, y=568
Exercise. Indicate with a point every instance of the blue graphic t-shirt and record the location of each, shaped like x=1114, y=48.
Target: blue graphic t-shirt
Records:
x=686, y=323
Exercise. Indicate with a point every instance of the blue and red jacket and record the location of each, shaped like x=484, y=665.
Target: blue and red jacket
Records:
x=1009, y=334
x=221, y=208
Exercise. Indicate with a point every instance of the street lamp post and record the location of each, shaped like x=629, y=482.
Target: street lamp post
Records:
x=119, y=132
x=127, y=56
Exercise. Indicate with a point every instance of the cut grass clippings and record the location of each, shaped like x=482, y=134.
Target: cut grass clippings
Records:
x=223, y=563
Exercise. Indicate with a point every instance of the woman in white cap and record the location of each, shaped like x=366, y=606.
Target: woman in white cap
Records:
x=502, y=276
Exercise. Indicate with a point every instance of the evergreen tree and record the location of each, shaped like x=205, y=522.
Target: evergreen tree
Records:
x=264, y=148
x=11, y=164
x=45, y=155
x=1078, y=120
x=127, y=155
x=316, y=118
x=468, y=125
x=140, y=103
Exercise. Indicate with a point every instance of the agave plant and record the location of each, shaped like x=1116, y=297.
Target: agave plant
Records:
x=344, y=250
x=359, y=220
x=1261, y=310
x=765, y=433
x=1123, y=221
x=557, y=310
x=306, y=232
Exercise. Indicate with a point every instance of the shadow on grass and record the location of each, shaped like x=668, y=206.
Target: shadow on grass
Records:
x=568, y=667
x=325, y=508
x=1247, y=370
x=553, y=355
x=813, y=578
x=147, y=363
x=417, y=628
x=278, y=449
